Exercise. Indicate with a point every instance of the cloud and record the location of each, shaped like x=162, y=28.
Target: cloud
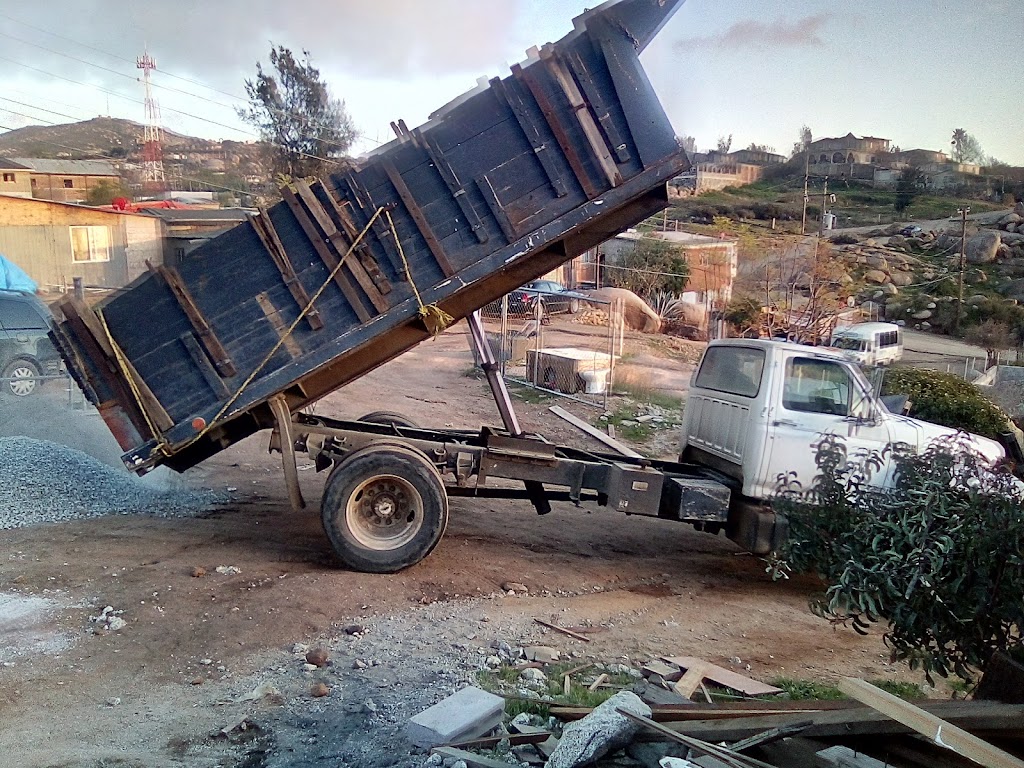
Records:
x=751, y=33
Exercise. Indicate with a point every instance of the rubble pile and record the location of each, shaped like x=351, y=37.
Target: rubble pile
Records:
x=45, y=482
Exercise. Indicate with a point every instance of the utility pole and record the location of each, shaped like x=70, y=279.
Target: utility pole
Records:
x=963, y=263
x=807, y=171
x=824, y=204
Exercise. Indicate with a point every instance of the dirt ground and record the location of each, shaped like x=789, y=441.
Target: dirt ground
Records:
x=195, y=649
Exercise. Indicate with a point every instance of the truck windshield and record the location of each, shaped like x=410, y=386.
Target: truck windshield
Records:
x=733, y=370
x=844, y=342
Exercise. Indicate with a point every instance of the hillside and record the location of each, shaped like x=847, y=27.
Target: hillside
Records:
x=99, y=137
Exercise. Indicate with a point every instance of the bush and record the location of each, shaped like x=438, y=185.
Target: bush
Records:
x=844, y=240
x=945, y=399
x=937, y=556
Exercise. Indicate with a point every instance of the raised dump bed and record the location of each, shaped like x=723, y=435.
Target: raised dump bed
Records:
x=499, y=187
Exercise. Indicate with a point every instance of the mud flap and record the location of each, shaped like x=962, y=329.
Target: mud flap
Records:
x=756, y=528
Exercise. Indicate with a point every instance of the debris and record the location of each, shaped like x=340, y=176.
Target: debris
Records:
x=938, y=730
x=198, y=572
x=240, y=725
x=563, y=630
x=533, y=675
x=600, y=436
x=724, y=677
x=113, y=701
x=844, y=757
x=514, y=586
x=310, y=667
x=470, y=712
x=668, y=672
x=266, y=690
x=319, y=690
x=317, y=656
x=228, y=570
x=691, y=681
x=353, y=629
x=542, y=653
x=115, y=623
x=300, y=648
x=602, y=731
x=198, y=680
x=729, y=757
x=597, y=683
x=469, y=759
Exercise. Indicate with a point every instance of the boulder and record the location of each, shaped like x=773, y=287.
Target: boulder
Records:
x=1014, y=289
x=876, y=276
x=898, y=241
x=1004, y=252
x=976, y=277
x=890, y=290
x=687, y=313
x=901, y=279
x=636, y=312
x=1010, y=238
x=976, y=299
x=1010, y=219
x=877, y=262
x=604, y=730
x=1019, y=208
x=924, y=314
x=982, y=248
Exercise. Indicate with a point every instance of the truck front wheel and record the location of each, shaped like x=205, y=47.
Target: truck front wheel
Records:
x=384, y=508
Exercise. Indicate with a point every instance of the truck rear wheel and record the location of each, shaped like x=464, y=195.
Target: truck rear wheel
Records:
x=389, y=419
x=384, y=508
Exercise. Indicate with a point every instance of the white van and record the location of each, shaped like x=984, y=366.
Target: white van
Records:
x=870, y=343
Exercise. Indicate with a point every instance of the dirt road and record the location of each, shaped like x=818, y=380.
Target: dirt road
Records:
x=213, y=607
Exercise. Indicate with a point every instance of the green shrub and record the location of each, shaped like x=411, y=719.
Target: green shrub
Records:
x=844, y=240
x=938, y=555
x=945, y=399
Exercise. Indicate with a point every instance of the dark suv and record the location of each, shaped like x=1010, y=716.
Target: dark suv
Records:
x=26, y=351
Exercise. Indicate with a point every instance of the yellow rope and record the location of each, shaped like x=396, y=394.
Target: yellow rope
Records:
x=251, y=377
x=121, y=360
x=434, y=318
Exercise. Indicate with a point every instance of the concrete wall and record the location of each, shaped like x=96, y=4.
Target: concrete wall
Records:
x=46, y=186
x=36, y=235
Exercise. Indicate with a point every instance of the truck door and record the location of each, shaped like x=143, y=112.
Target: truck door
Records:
x=816, y=397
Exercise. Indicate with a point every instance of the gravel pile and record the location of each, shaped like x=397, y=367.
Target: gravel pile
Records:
x=44, y=482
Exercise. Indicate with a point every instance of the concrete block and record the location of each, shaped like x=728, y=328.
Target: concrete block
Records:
x=465, y=715
x=844, y=757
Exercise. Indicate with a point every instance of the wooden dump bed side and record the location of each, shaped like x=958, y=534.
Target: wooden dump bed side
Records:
x=499, y=187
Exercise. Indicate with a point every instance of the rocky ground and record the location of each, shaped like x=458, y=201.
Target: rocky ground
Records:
x=141, y=640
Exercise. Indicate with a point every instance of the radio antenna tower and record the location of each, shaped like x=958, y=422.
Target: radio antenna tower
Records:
x=152, y=146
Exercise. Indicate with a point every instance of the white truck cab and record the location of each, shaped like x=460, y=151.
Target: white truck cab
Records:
x=756, y=407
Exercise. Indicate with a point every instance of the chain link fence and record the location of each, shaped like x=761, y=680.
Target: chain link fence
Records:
x=570, y=351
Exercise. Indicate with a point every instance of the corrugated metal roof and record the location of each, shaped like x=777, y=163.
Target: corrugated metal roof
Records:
x=6, y=162
x=198, y=214
x=68, y=167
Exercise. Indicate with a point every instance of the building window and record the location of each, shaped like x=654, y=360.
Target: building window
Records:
x=9, y=178
x=33, y=181
x=69, y=183
x=90, y=244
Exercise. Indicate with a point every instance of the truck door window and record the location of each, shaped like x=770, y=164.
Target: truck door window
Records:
x=733, y=370
x=816, y=386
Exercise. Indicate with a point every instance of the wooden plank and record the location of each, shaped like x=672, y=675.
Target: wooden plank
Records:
x=582, y=110
x=838, y=756
x=325, y=254
x=563, y=630
x=725, y=677
x=471, y=759
x=597, y=683
x=696, y=711
x=202, y=363
x=341, y=245
x=365, y=204
x=668, y=672
x=274, y=318
x=508, y=229
x=598, y=104
x=927, y=724
x=770, y=736
x=595, y=433
x=554, y=121
x=510, y=95
x=722, y=753
x=688, y=684
x=264, y=228
x=363, y=252
x=207, y=338
x=859, y=721
x=451, y=180
x=538, y=736
x=417, y=216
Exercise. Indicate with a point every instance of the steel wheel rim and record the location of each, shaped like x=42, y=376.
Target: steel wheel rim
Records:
x=22, y=381
x=384, y=512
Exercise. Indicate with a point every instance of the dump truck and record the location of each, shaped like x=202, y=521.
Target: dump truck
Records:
x=347, y=272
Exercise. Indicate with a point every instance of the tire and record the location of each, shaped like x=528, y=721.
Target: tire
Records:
x=389, y=419
x=384, y=508
x=574, y=306
x=19, y=378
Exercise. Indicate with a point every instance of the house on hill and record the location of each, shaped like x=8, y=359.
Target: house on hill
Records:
x=55, y=242
x=66, y=181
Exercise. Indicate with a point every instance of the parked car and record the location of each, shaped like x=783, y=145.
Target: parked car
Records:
x=554, y=298
x=911, y=230
x=26, y=351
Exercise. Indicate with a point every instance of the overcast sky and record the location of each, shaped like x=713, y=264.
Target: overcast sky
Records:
x=911, y=70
